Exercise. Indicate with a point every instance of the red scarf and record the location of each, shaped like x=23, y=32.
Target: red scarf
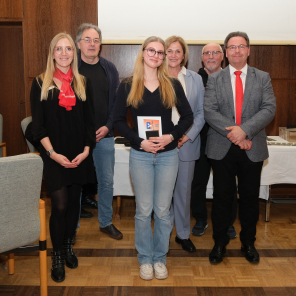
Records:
x=67, y=97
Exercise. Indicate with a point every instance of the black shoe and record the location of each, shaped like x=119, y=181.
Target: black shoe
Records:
x=70, y=257
x=216, y=255
x=58, y=266
x=85, y=214
x=251, y=253
x=89, y=202
x=112, y=231
x=186, y=244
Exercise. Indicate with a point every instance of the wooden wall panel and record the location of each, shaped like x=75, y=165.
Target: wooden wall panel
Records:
x=278, y=61
x=43, y=20
x=12, y=100
x=123, y=56
x=285, y=92
x=11, y=9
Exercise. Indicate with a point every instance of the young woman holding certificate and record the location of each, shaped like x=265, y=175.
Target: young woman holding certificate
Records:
x=150, y=91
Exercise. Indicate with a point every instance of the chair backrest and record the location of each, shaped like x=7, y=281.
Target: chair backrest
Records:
x=24, y=125
x=20, y=186
x=1, y=133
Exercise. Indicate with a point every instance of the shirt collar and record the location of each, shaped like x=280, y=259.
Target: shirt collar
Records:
x=183, y=70
x=244, y=69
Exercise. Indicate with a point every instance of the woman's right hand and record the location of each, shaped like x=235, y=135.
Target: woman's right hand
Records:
x=62, y=160
x=149, y=146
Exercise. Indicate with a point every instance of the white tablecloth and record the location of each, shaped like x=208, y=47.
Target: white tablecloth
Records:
x=279, y=168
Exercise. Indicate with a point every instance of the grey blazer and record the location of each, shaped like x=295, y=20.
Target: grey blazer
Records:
x=195, y=95
x=258, y=110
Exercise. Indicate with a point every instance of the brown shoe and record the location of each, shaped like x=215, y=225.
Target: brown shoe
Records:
x=112, y=231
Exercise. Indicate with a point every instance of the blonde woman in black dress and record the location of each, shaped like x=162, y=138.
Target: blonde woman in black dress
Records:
x=63, y=121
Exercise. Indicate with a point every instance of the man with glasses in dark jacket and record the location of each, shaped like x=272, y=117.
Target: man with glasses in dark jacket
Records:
x=105, y=80
x=212, y=57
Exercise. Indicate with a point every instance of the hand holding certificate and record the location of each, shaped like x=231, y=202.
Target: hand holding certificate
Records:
x=150, y=129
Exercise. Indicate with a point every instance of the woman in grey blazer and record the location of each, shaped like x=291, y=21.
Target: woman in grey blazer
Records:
x=189, y=144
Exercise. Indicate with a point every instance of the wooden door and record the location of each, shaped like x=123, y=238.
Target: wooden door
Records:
x=12, y=90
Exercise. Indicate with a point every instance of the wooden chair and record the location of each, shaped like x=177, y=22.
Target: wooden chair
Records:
x=22, y=212
x=24, y=124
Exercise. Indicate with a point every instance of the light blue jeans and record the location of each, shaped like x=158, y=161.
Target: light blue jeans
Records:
x=104, y=158
x=154, y=177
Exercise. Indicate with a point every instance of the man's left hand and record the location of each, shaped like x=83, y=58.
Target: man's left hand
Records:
x=101, y=133
x=236, y=134
x=245, y=145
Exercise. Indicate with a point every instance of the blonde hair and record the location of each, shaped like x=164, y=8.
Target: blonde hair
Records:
x=183, y=44
x=166, y=89
x=47, y=76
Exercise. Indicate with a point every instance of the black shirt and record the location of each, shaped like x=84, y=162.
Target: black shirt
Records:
x=152, y=106
x=100, y=85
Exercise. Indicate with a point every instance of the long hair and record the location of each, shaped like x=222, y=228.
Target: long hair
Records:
x=47, y=76
x=166, y=89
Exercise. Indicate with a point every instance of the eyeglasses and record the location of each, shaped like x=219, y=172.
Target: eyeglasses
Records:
x=60, y=49
x=89, y=40
x=214, y=53
x=152, y=52
x=234, y=47
x=177, y=52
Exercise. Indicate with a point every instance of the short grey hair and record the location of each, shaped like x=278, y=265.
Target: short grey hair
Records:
x=236, y=34
x=213, y=43
x=84, y=27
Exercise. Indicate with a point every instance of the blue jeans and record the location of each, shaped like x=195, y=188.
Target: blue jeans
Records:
x=104, y=158
x=154, y=177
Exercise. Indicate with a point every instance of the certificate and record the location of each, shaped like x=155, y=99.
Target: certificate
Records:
x=149, y=126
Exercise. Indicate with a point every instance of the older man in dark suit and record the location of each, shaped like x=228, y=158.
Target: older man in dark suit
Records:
x=239, y=104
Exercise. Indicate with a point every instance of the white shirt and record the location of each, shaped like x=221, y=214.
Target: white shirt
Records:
x=175, y=113
x=233, y=78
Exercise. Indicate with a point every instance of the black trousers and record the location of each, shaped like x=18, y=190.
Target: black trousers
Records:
x=200, y=180
x=235, y=163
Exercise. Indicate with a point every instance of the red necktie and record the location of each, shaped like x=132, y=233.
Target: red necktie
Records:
x=239, y=96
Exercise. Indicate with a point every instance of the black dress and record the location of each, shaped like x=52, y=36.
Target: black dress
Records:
x=68, y=131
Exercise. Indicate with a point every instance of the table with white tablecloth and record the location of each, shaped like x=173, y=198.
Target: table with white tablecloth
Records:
x=279, y=168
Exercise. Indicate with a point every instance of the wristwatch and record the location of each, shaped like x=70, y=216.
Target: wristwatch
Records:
x=172, y=137
x=49, y=152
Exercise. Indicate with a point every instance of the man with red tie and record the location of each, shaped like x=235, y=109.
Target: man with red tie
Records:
x=239, y=103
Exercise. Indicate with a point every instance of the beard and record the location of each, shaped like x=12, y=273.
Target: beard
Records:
x=213, y=66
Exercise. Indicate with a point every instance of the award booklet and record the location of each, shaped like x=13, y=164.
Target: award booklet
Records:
x=149, y=126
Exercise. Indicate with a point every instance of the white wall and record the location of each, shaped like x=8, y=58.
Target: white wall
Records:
x=198, y=21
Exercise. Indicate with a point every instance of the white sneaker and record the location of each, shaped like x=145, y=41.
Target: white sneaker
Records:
x=160, y=270
x=146, y=272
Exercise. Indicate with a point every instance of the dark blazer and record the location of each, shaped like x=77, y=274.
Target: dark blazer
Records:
x=259, y=105
x=113, y=80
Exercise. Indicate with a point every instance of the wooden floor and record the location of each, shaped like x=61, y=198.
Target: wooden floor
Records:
x=110, y=267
